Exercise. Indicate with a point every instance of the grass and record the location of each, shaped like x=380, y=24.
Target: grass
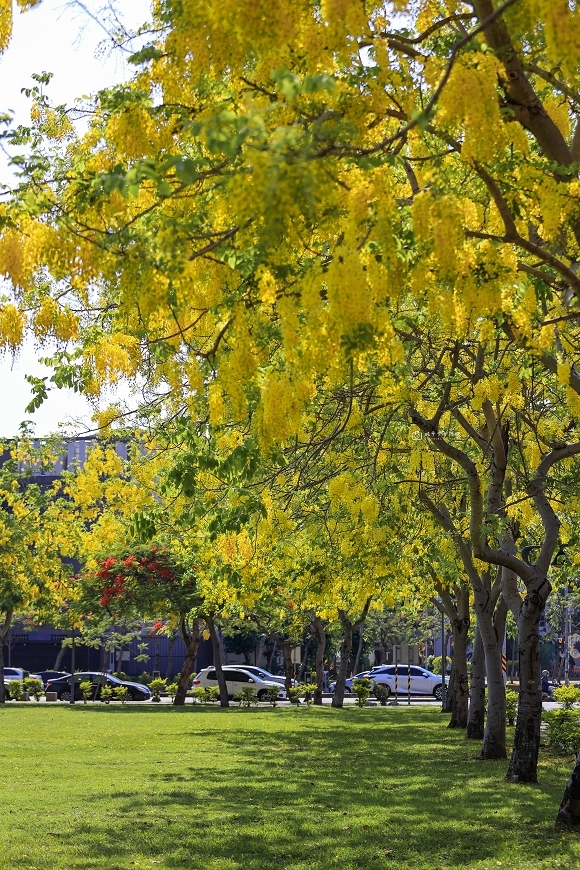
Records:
x=123, y=787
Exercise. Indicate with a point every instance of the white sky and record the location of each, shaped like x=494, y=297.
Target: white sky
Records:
x=49, y=38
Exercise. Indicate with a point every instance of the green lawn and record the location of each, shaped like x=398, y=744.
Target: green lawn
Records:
x=125, y=787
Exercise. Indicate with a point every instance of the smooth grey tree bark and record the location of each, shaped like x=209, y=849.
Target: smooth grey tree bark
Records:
x=348, y=626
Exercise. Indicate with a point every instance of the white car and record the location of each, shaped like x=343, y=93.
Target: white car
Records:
x=237, y=679
x=266, y=675
x=423, y=682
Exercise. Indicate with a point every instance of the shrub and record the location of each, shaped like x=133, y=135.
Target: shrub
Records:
x=120, y=693
x=121, y=675
x=144, y=678
x=294, y=693
x=563, y=730
x=272, y=694
x=86, y=688
x=199, y=695
x=362, y=690
x=382, y=693
x=106, y=694
x=511, y=706
x=308, y=690
x=16, y=688
x=437, y=665
x=246, y=697
x=172, y=690
x=157, y=686
x=213, y=693
x=34, y=687
x=567, y=696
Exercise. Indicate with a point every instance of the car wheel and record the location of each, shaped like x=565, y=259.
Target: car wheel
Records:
x=263, y=695
x=65, y=695
x=347, y=691
x=438, y=692
x=131, y=696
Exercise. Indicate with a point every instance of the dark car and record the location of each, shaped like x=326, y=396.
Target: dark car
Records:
x=45, y=676
x=135, y=691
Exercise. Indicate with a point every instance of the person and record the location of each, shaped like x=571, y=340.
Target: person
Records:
x=546, y=688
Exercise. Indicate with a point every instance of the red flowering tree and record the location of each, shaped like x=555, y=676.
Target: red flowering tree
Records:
x=147, y=583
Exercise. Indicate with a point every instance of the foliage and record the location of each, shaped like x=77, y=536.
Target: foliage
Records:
x=382, y=693
x=106, y=694
x=87, y=690
x=567, y=696
x=362, y=690
x=157, y=686
x=16, y=688
x=246, y=697
x=172, y=690
x=272, y=694
x=563, y=730
x=212, y=694
x=308, y=690
x=511, y=706
x=121, y=693
x=199, y=694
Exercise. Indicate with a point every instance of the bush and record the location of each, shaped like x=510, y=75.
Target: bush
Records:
x=308, y=690
x=362, y=690
x=16, y=688
x=34, y=687
x=121, y=675
x=382, y=693
x=213, y=693
x=246, y=697
x=511, y=706
x=437, y=665
x=567, y=696
x=199, y=695
x=272, y=694
x=157, y=686
x=144, y=678
x=106, y=694
x=294, y=694
x=86, y=688
x=563, y=730
x=120, y=693
x=172, y=690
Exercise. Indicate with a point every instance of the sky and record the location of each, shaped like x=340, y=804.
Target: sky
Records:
x=54, y=38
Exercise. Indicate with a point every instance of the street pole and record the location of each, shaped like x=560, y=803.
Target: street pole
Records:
x=72, y=669
x=443, y=661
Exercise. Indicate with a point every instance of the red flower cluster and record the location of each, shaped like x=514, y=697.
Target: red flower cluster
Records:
x=115, y=590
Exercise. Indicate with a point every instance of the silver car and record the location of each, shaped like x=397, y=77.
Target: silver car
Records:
x=238, y=679
x=422, y=681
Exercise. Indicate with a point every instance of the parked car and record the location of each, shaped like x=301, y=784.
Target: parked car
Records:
x=423, y=682
x=237, y=679
x=266, y=675
x=17, y=674
x=45, y=676
x=136, y=691
x=348, y=683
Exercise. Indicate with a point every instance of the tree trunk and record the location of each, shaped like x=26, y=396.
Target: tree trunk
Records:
x=524, y=761
x=169, y=668
x=191, y=638
x=460, y=697
x=447, y=707
x=476, y=717
x=569, y=812
x=3, y=632
x=304, y=662
x=345, y=651
x=59, y=658
x=361, y=640
x=288, y=665
x=320, y=635
x=217, y=661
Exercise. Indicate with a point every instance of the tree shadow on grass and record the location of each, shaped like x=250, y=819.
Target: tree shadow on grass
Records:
x=331, y=789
